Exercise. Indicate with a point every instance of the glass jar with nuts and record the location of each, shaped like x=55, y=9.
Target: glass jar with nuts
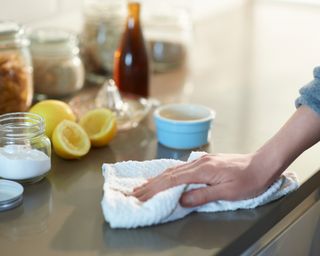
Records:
x=16, y=85
x=58, y=69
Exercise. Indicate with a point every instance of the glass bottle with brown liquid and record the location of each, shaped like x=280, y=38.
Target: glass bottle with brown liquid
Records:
x=131, y=65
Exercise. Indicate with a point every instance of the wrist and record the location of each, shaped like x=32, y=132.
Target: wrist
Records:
x=299, y=133
x=269, y=164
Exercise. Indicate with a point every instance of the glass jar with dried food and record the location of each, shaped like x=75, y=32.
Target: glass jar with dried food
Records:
x=168, y=32
x=16, y=87
x=103, y=26
x=58, y=69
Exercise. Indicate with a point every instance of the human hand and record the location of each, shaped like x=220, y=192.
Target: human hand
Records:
x=234, y=177
x=227, y=176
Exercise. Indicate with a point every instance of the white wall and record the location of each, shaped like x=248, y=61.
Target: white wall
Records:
x=67, y=13
x=27, y=11
x=39, y=11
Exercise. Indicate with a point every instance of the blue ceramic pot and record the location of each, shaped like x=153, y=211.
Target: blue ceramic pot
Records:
x=183, y=126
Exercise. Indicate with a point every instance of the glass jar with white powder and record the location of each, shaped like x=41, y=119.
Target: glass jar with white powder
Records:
x=25, y=150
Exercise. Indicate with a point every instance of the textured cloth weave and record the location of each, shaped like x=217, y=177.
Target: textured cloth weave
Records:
x=122, y=211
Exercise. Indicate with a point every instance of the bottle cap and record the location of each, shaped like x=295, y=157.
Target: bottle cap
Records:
x=11, y=194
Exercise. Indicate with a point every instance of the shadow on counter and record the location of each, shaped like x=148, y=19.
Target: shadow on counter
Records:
x=200, y=230
x=178, y=154
x=31, y=217
x=78, y=192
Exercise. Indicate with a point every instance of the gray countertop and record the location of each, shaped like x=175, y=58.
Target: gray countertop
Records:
x=248, y=64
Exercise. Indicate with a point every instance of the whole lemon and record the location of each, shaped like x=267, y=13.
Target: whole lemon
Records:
x=53, y=112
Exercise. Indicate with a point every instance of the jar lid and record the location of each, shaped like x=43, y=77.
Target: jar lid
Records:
x=11, y=194
x=12, y=33
x=53, y=41
x=9, y=27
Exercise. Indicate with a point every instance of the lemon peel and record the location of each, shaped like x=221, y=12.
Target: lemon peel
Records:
x=100, y=125
x=70, y=141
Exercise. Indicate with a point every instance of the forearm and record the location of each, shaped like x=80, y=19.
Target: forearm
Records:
x=299, y=133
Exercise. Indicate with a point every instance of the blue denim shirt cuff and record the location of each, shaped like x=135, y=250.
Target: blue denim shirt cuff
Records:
x=310, y=93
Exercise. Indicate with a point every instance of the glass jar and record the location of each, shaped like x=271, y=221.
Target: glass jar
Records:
x=16, y=87
x=168, y=32
x=103, y=26
x=25, y=150
x=58, y=69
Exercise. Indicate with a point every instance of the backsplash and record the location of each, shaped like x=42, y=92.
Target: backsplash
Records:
x=33, y=11
x=67, y=13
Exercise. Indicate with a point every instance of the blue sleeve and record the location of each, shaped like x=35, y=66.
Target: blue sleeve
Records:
x=310, y=93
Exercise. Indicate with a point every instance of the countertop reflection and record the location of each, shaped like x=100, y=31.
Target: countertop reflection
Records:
x=247, y=64
x=31, y=218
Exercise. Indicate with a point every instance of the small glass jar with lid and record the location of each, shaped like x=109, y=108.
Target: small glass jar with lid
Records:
x=16, y=86
x=25, y=150
x=58, y=69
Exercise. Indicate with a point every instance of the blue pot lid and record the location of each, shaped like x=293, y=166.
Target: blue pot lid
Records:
x=11, y=194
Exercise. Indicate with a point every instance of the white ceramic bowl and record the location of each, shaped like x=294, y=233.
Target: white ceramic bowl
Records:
x=183, y=126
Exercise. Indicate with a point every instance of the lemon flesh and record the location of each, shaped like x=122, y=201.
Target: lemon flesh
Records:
x=53, y=112
x=100, y=125
x=70, y=141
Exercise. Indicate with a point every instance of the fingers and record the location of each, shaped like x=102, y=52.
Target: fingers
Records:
x=161, y=183
x=183, y=174
x=208, y=194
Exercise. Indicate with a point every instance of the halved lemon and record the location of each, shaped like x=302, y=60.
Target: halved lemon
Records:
x=100, y=125
x=70, y=141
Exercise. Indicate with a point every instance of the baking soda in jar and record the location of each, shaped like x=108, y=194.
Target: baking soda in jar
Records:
x=25, y=150
x=18, y=162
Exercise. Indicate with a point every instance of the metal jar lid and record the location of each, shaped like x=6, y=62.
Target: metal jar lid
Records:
x=11, y=194
x=12, y=35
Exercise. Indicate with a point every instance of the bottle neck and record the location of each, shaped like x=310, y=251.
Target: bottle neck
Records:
x=133, y=14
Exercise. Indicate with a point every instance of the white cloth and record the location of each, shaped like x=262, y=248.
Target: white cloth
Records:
x=122, y=211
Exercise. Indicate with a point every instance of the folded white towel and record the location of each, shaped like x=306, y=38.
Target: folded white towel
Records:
x=123, y=211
